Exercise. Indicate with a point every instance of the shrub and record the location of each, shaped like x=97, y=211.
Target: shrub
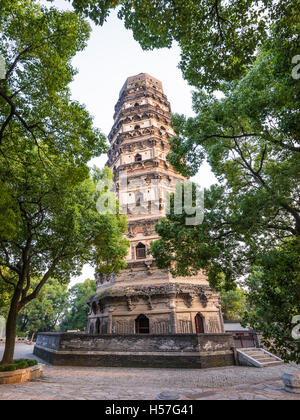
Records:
x=8, y=368
x=18, y=364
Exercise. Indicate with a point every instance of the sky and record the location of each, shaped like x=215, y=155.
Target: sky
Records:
x=110, y=57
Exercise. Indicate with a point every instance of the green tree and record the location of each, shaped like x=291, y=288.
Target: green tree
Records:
x=111, y=245
x=233, y=304
x=5, y=293
x=251, y=139
x=56, y=233
x=76, y=315
x=38, y=45
x=274, y=299
x=51, y=226
x=45, y=312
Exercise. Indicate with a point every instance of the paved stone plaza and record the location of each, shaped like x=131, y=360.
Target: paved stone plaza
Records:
x=71, y=383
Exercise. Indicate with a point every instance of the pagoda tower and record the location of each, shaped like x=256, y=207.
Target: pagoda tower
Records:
x=144, y=299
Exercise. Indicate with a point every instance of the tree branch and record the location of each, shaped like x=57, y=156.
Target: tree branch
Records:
x=5, y=279
x=11, y=69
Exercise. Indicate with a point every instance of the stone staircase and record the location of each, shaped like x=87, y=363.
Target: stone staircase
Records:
x=257, y=357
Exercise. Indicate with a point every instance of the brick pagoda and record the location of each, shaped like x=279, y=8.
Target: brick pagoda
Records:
x=143, y=299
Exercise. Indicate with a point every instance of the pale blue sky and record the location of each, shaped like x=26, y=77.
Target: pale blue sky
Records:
x=111, y=56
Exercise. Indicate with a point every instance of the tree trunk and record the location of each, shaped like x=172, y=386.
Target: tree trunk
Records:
x=24, y=323
x=11, y=328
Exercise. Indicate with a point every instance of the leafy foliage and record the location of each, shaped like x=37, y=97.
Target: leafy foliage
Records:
x=251, y=139
x=45, y=312
x=218, y=39
x=111, y=244
x=233, y=304
x=18, y=364
x=6, y=292
x=38, y=45
x=274, y=299
x=51, y=225
x=76, y=313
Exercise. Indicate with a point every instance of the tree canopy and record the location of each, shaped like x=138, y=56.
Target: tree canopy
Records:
x=76, y=311
x=5, y=294
x=274, y=299
x=251, y=139
x=38, y=45
x=233, y=304
x=218, y=39
x=57, y=228
x=46, y=311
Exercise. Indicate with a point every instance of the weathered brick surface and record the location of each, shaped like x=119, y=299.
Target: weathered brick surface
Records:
x=172, y=350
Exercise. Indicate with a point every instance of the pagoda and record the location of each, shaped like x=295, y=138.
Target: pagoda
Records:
x=144, y=299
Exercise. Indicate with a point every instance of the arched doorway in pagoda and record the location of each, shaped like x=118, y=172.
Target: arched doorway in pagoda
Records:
x=142, y=325
x=199, y=324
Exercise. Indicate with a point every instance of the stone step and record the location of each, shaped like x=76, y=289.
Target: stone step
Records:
x=267, y=360
x=252, y=350
x=260, y=358
x=260, y=354
x=264, y=358
x=254, y=354
x=264, y=355
x=275, y=363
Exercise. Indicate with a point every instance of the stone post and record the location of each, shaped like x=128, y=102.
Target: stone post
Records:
x=173, y=317
x=193, y=326
x=109, y=325
x=221, y=320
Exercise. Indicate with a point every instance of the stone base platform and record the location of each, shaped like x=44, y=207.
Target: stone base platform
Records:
x=138, y=350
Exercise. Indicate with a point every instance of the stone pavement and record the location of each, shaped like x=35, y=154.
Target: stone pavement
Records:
x=72, y=383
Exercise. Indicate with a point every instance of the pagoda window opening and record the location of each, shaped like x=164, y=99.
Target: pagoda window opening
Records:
x=137, y=127
x=138, y=199
x=140, y=251
x=138, y=158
